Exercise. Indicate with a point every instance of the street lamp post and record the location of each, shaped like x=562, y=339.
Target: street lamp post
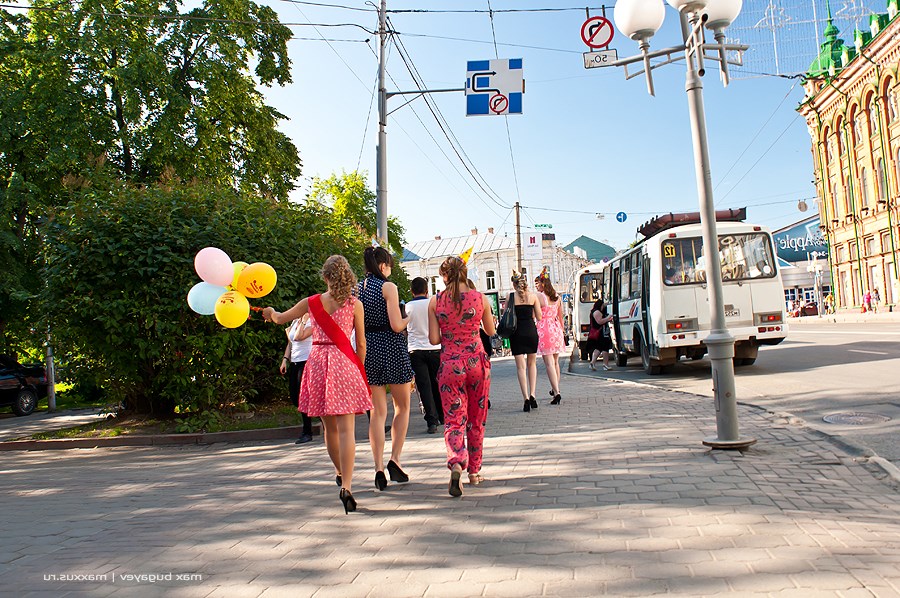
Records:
x=640, y=20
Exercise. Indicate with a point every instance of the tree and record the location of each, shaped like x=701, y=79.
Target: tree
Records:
x=354, y=203
x=131, y=89
x=121, y=264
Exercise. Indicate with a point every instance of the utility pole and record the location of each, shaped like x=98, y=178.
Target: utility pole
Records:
x=518, y=241
x=381, y=150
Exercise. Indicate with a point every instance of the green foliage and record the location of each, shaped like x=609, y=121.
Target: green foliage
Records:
x=353, y=203
x=206, y=421
x=88, y=95
x=120, y=262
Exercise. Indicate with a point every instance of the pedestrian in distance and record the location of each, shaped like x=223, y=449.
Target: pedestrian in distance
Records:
x=334, y=386
x=455, y=316
x=524, y=341
x=387, y=362
x=876, y=299
x=550, y=332
x=296, y=353
x=599, y=340
x=867, y=301
x=424, y=356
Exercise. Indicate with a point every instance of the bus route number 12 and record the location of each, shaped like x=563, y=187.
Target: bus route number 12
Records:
x=668, y=250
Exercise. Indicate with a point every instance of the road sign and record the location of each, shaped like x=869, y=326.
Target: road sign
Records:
x=494, y=87
x=543, y=226
x=621, y=216
x=602, y=58
x=597, y=32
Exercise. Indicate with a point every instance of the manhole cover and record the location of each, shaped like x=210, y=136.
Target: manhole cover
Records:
x=856, y=418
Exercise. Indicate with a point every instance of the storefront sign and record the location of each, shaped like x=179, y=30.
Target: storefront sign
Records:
x=801, y=242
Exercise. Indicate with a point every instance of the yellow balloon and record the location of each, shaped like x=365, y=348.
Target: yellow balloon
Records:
x=238, y=268
x=232, y=309
x=256, y=280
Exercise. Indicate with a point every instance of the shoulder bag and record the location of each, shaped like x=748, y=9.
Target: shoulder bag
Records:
x=507, y=326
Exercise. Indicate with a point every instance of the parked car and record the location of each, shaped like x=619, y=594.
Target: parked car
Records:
x=21, y=386
x=807, y=309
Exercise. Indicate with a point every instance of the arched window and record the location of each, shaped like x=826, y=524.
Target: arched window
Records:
x=872, y=114
x=854, y=129
x=887, y=100
x=826, y=150
x=882, y=181
x=864, y=188
x=490, y=281
x=838, y=132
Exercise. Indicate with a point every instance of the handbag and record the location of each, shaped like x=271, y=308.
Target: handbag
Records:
x=507, y=326
x=594, y=334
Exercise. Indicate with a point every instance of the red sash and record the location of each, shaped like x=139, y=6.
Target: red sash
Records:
x=334, y=332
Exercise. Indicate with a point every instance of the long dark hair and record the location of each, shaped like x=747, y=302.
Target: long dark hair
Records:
x=373, y=257
x=457, y=274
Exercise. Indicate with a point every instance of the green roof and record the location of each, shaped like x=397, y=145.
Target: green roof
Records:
x=834, y=54
x=596, y=251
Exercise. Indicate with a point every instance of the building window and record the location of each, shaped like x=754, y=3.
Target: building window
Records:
x=854, y=129
x=864, y=188
x=882, y=181
x=490, y=281
x=433, y=286
x=872, y=114
x=835, y=196
x=886, y=242
x=840, y=254
x=870, y=247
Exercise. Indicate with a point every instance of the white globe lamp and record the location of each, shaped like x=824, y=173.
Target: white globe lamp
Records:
x=722, y=13
x=687, y=6
x=639, y=19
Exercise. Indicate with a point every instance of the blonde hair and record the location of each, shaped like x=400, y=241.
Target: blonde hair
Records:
x=457, y=274
x=520, y=284
x=339, y=277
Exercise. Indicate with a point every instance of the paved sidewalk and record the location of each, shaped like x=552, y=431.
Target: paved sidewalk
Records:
x=610, y=493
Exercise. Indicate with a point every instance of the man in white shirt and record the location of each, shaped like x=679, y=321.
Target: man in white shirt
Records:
x=425, y=357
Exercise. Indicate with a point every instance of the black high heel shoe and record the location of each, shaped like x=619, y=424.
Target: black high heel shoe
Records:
x=338, y=480
x=556, y=400
x=527, y=406
x=348, y=500
x=397, y=474
x=533, y=402
x=380, y=480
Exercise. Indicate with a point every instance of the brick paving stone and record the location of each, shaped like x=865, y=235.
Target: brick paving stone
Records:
x=612, y=493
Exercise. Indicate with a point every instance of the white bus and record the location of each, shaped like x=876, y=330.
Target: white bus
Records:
x=586, y=289
x=657, y=291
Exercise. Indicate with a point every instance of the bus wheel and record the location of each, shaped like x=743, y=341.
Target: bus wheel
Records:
x=744, y=361
x=649, y=366
x=621, y=358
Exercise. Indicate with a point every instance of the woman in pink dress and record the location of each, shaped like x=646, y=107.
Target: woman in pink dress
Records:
x=464, y=376
x=334, y=386
x=551, y=340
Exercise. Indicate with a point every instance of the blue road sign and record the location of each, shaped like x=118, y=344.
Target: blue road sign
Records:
x=621, y=216
x=494, y=87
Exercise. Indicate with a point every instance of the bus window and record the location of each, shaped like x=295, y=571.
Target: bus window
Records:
x=635, y=276
x=743, y=256
x=590, y=287
x=746, y=256
x=625, y=278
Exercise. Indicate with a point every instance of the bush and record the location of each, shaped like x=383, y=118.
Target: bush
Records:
x=120, y=264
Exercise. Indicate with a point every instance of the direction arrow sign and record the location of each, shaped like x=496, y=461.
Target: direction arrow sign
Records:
x=494, y=87
x=597, y=32
x=621, y=216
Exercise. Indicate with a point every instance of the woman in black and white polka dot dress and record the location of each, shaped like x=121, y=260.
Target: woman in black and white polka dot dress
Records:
x=387, y=361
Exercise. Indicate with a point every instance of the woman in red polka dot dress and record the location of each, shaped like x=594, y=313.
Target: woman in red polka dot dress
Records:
x=334, y=387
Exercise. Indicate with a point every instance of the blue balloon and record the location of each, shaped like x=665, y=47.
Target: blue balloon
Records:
x=203, y=296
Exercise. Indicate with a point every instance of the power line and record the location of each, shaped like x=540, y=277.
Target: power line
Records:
x=482, y=41
x=447, y=130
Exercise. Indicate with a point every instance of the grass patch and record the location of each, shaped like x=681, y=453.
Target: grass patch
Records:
x=262, y=417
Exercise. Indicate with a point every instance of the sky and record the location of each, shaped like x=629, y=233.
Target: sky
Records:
x=588, y=145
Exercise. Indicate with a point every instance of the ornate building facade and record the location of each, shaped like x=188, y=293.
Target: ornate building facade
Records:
x=852, y=110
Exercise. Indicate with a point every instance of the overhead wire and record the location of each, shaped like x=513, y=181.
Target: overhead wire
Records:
x=447, y=130
x=441, y=149
x=512, y=157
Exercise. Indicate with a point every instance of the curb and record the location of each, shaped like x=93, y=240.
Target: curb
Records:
x=852, y=449
x=156, y=440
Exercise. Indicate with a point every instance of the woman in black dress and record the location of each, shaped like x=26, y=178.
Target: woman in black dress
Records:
x=599, y=320
x=524, y=341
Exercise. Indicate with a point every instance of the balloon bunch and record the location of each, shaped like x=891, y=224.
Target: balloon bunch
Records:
x=227, y=285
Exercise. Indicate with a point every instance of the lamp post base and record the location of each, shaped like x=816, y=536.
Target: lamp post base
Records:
x=734, y=445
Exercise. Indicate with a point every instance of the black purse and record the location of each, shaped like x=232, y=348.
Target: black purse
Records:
x=507, y=326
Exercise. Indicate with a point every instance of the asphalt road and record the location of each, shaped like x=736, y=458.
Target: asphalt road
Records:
x=821, y=369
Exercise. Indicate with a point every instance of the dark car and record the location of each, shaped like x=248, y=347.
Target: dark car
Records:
x=21, y=386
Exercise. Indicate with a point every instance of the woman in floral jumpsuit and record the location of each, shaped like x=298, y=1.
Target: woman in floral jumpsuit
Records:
x=464, y=377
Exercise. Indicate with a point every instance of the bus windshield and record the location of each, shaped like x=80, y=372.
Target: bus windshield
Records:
x=743, y=256
x=590, y=287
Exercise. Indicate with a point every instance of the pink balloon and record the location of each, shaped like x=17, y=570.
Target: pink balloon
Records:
x=214, y=266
